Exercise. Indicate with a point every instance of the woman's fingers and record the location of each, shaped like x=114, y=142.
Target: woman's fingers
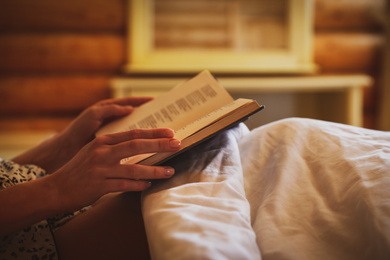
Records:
x=140, y=172
x=135, y=177
x=143, y=146
x=122, y=185
x=114, y=110
x=116, y=138
x=113, y=148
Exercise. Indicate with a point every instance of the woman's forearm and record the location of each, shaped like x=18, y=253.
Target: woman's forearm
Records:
x=49, y=155
x=26, y=204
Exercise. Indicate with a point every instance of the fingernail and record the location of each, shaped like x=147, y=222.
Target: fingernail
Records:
x=169, y=172
x=170, y=132
x=174, y=143
x=148, y=184
x=129, y=108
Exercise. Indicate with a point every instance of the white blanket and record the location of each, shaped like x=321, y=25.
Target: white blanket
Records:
x=293, y=189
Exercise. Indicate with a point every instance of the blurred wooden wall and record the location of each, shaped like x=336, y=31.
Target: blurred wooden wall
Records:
x=349, y=38
x=56, y=57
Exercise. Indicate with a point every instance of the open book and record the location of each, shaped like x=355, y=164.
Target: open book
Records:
x=196, y=110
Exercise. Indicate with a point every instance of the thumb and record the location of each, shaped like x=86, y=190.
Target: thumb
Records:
x=113, y=110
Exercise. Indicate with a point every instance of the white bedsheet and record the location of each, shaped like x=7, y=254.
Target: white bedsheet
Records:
x=202, y=213
x=294, y=189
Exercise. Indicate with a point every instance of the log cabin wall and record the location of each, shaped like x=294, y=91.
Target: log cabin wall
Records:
x=56, y=57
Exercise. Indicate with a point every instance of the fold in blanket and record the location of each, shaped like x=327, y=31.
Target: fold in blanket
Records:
x=318, y=190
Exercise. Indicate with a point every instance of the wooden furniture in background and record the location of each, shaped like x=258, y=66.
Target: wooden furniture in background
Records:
x=349, y=39
x=224, y=36
x=344, y=107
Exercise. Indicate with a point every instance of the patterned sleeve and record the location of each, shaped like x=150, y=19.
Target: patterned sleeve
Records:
x=36, y=241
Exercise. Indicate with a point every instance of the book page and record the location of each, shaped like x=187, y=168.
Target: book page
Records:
x=196, y=126
x=210, y=118
x=175, y=109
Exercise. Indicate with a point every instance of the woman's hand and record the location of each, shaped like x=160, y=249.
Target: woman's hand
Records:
x=56, y=151
x=96, y=169
x=82, y=130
